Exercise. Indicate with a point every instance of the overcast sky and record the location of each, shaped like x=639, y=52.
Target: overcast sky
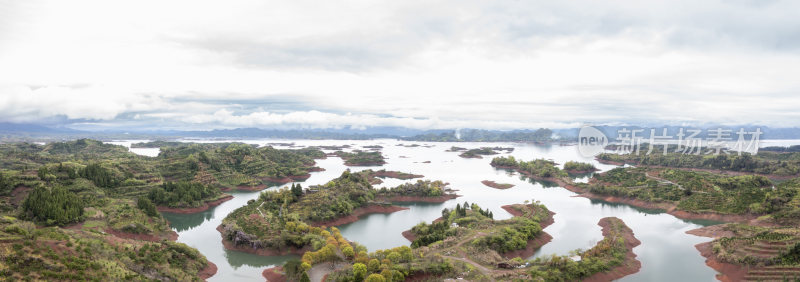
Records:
x=419, y=64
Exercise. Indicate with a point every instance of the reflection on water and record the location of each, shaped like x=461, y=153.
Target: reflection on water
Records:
x=665, y=247
x=185, y=222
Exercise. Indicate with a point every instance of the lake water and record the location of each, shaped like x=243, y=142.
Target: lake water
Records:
x=666, y=252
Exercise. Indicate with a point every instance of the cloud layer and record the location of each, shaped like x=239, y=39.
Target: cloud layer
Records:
x=420, y=64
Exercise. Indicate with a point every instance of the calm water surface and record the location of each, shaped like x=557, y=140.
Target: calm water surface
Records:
x=666, y=252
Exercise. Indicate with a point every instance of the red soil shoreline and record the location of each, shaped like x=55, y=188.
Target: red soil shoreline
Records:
x=204, y=207
x=727, y=272
x=629, y=266
x=208, y=271
x=409, y=235
x=496, y=185
x=274, y=274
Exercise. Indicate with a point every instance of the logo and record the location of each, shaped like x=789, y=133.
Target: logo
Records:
x=591, y=141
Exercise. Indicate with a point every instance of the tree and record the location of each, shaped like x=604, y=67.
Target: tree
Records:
x=54, y=206
x=373, y=265
x=348, y=252
x=147, y=206
x=359, y=271
x=375, y=278
x=304, y=278
x=297, y=190
x=394, y=257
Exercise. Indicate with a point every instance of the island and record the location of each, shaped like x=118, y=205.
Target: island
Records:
x=496, y=185
x=361, y=158
x=231, y=165
x=477, y=153
x=375, y=176
x=292, y=220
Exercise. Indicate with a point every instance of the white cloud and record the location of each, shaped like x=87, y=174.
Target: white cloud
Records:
x=420, y=64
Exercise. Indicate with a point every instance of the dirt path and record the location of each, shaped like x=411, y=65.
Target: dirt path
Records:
x=488, y=272
x=485, y=271
x=662, y=180
x=319, y=271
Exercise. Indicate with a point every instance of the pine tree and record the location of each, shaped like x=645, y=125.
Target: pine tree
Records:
x=297, y=190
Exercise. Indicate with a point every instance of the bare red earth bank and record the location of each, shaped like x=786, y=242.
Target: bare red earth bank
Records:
x=208, y=271
x=274, y=274
x=727, y=271
x=629, y=266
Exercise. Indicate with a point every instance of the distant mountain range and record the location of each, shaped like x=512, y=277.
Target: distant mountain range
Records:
x=37, y=132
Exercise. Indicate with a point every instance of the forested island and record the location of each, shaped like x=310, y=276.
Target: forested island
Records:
x=361, y=158
x=288, y=220
x=478, y=153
